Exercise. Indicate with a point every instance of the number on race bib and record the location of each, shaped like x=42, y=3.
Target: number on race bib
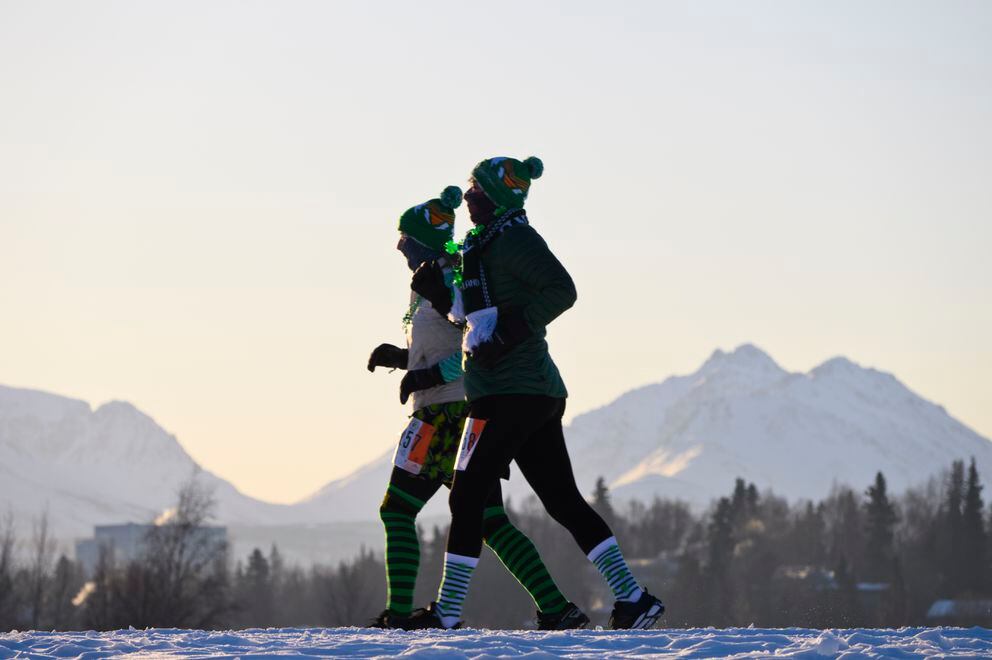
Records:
x=414, y=443
x=470, y=440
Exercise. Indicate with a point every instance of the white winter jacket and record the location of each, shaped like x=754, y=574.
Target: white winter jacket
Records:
x=430, y=339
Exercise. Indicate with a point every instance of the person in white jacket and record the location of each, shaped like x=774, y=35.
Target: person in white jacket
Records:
x=425, y=456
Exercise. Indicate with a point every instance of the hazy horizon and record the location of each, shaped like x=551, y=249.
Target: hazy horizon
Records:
x=198, y=202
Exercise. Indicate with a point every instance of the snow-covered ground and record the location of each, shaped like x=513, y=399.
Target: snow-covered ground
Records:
x=364, y=643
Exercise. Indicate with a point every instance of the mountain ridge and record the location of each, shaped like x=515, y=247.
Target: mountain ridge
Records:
x=86, y=466
x=739, y=415
x=742, y=415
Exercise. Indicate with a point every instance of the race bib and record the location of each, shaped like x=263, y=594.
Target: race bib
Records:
x=470, y=439
x=414, y=442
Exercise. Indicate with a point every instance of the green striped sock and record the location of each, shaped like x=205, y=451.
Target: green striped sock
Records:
x=608, y=560
x=521, y=558
x=454, y=587
x=402, y=556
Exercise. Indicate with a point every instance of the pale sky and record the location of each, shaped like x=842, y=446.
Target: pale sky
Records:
x=198, y=200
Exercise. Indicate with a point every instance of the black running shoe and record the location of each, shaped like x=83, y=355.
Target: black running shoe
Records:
x=380, y=621
x=570, y=618
x=423, y=619
x=388, y=619
x=639, y=615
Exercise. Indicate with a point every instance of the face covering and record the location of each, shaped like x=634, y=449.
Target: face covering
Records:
x=480, y=207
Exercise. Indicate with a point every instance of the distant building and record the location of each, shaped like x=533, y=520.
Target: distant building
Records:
x=813, y=577
x=127, y=542
x=961, y=612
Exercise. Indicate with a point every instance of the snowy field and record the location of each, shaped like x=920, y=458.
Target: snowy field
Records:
x=364, y=643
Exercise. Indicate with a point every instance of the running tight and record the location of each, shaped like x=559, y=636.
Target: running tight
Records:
x=526, y=429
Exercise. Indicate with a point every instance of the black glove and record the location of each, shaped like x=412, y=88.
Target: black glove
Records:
x=511, y=329
x=420, y=379
x=428, y=282
x=387, y=355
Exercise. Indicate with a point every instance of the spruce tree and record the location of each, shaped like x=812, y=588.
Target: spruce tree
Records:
x=973, y=538
x=879, y=532
x=752, y=498
x=955, y=578
x=601, y=503
x=744, y=502
x=738, y=501
x=721, y=552
x=258, y=591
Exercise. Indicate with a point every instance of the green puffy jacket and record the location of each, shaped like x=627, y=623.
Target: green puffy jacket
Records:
x=522, y=273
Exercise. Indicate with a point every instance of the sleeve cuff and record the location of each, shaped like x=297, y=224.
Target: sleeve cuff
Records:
x=451, y=367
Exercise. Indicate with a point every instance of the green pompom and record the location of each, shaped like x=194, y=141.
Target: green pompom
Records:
x=451, y=197
x=535, y=166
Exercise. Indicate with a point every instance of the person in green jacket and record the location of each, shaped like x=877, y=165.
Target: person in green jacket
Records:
x=425, y=456
x=510, y=288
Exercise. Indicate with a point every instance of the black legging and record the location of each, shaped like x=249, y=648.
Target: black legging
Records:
x=525, y=428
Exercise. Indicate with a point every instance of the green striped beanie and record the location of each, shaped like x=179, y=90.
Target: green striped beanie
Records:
x=433, y=222
x=506, y=181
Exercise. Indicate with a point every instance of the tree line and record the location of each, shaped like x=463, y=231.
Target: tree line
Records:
x=853, y=559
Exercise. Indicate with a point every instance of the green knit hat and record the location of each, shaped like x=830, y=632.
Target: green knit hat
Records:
x=507, y=180
x=433, y=222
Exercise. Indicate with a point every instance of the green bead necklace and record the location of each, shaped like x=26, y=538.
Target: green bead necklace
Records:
x=453, y=248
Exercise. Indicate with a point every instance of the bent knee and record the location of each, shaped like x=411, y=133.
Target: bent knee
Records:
x=467, y=498
x=393, y=504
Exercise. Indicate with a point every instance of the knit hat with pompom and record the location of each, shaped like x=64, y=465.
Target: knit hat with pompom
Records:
x=433, y=222
x=506, y=181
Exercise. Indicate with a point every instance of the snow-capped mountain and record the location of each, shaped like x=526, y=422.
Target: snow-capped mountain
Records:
x=110, y=465
x=358, y=495
x=739, y=415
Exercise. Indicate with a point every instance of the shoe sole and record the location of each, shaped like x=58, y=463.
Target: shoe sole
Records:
x=649, y=618
x=576, y=621
x=577, y=626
